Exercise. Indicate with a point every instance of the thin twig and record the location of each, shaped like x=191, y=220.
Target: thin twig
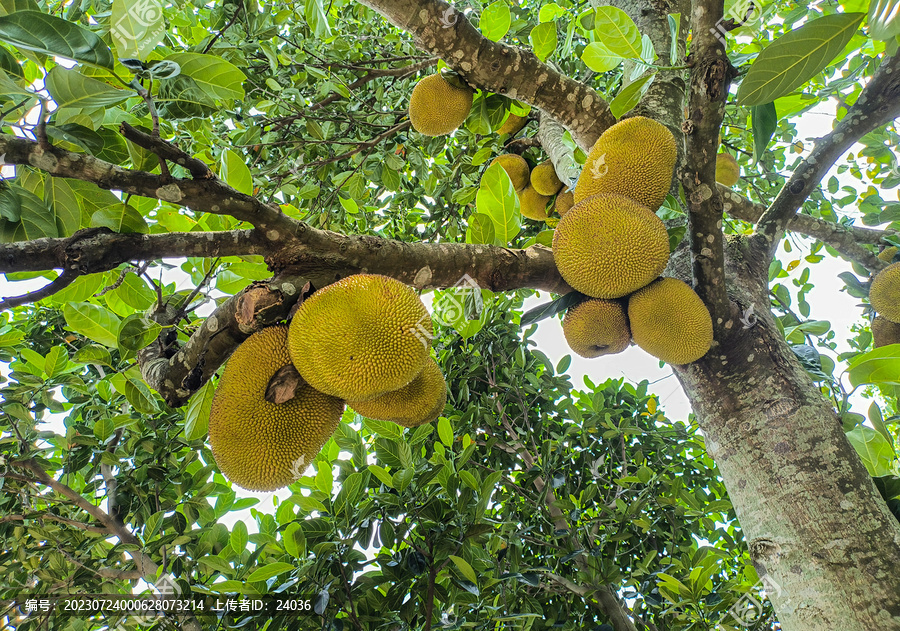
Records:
x=61, y=282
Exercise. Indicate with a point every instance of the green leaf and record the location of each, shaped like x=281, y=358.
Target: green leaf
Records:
x=765, y=122
x=136, y=27
x=382, y=474
x=120, y=218
x=64, y=203
x=618, y=32
x=135, y=392
x=551, y=308
x=239, y=537
x=464, y=568
x=235, y=173
x=495, y=20
x=497, y=199
x=294, y=541
x=598, y=57
x=884, y=19
x=881, y=366
x=94, y=322
x=543, y=40
x=266, y=572
x=317, y=20
x=32, y=30
x=137, y=332
x=674, y=27
x=630, y=96
x=92, y=354
x=36, y=220
x=183, y=98
x=796, y=57
x=218, y=78
x=445, y=431
x=875, y=452
x=480, y=229
x=70, y=88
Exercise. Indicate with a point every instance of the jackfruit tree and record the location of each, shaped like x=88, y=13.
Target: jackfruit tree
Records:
x=277, y=321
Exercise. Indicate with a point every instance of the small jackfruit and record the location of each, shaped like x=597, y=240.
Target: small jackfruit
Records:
x=361, y=337
x=669, y=320
x=728, y=171
x=884, y=294
x=608, y=246
x=437, y=107
x=544, y=179
x=635, y=158
x=564, y=202
x=533, y=205
x=516, y=168
x=512, y=124
x=259, y=445
x=596, y=327
x=419, y=402
x=887, y=255
x=885, y=332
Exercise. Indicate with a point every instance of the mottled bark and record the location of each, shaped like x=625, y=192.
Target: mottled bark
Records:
x=550, y=135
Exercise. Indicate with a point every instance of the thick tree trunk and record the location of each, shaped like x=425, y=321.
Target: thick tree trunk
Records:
x=816, y=527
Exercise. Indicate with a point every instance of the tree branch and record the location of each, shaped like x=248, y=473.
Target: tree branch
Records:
x=442, y=30
x=206, y=195
x=550, y=134
x=878, y=103
x=710, y=75
x=601, y=598
x=61, y=282
x=62, y=520
x=166, y=150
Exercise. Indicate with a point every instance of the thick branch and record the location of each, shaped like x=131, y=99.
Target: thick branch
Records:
x=878, y=103
x=601, y=598
x=710, y=75
x=442, y=30
x=164, y=149
x=206, y=195
x=61, y=282
x=99, y=250
x=847, y=240
x=550, y=134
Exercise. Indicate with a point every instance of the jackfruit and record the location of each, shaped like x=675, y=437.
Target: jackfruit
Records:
x=608, y=246
x=437, y=107
x=532, y=204
x=544, y=179
x=635, y=158
x=263, y=446
x=596, y=327
x=512, y=124
x=669, y=321
x=887, y=254
x=516, y=168
x=728, y=171
x=885, y=332
x=361, y=337
x=564, y=202
x=884, y=294
x=419, y=402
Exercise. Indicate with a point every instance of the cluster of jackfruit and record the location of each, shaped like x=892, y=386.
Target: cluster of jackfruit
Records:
x=535, y=187
x=884, y=296
x=364, y=341
x=612, y=247
x=439, y=105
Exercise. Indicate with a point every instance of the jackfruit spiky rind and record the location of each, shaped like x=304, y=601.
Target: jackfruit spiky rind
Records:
x=516, y=168
x=512, y=124
x=564, y=202
x=885, y=332
x=419, y=402
x=361, y=337
x=887, y=254
x=544, y=179
x=884, y=294
x=609, y=246
x=436, y=107
x=596, y=327
x=263, y=446
x=728, y=171
x=532, y=204
x=669, y=320
x=635, y=158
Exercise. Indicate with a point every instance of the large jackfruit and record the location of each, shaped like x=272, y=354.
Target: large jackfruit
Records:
x=669, y=320
x=544, y=179
x=437, y=107
x=533, y=205
x=885, y=332
x=512, y=124
x=516, y=168
x=608, y=246
x=728, y=171
x=884, y=294
x=259, y=445
x=361, y=337
x=887, y=255
x=564, y=202
x=419, y=402
x=596, y=327
x=635, y=158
